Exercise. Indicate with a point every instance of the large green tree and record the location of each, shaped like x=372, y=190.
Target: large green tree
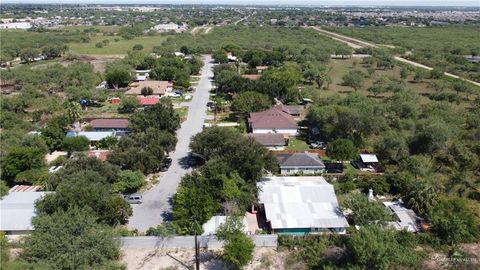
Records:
x=453, y=222
x=250, y=101
x=365, y=212
x=70, y=239
x=87, y=189
x=118, y=74
x=161, y=116
x=341, y=149
x=21, y=159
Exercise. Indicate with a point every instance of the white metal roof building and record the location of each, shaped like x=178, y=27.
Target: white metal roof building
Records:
x=301, y=205
x=369, y=158
x=405, y=219
x=17, y=210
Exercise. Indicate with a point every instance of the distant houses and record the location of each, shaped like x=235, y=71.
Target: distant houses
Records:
x=300, y=163
x=300, y=205
x=167, y=27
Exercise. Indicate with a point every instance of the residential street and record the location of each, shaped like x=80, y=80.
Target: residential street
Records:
x=156, y=201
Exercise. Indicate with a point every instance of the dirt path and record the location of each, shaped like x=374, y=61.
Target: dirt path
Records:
x=356, y=44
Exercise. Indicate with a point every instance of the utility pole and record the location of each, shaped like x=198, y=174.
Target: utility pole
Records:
x=197, y=251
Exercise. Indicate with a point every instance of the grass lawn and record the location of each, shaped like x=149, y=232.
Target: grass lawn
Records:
x=106, y=110
x=116, y=48
x=182, y=112
x=102, y=28
x=297, y=145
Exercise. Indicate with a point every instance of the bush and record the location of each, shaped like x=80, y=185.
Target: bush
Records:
x=129, y=181
x=166, y=229
x=99, y=45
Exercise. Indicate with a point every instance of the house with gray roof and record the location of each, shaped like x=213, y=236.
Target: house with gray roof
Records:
x=300, y=205
x=300, y=163
x=272, y=141
x=17, y=210
x=404, y=218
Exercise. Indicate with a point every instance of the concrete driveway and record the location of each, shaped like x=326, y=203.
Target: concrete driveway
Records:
x=156, y=204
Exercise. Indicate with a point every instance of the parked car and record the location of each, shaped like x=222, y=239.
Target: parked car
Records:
x=167, y=162
x=134, y=198
x=318, y=145
x=178, y=92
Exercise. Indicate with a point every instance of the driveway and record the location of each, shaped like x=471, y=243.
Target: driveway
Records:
x=156, y=201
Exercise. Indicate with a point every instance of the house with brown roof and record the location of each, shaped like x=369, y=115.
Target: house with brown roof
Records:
x=260, y=69
x=252, y=76
x=293, y=110
x=110, y=124
x=159, y=87
x=273, y=120
x=272, y=141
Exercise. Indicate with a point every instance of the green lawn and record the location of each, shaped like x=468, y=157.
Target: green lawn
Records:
x=297, y=145
x=106, y=110
x=115, y=48
x=182, y=112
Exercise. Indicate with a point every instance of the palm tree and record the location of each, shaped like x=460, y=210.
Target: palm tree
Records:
x=420, y=196
x=73, y=110
x=464, y=185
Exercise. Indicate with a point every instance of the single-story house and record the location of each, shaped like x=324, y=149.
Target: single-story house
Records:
x=300, y=205
x=367, y=162
x=272, y=120
x=94, y=136
x=110, y=124
x=260, y=69
x=293, y=110
x=18, y=208
x=159, y=87
x=306, y=163
x=272, y=141
x=252, y=76
x=211, y=226
x=141, y=74
x=148, y=101
x=100, y=154
x=404, y=218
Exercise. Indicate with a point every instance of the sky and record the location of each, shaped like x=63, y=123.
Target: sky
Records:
x=474, y=3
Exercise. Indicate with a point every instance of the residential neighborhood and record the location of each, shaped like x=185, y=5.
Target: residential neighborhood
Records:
x=239, y=136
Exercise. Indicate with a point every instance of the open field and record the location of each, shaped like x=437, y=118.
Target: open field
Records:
x=441, y=47
x=116, y=47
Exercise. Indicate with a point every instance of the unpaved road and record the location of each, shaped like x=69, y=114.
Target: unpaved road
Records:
x=356, y=44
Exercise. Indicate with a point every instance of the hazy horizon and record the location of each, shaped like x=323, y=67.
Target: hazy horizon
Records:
x=360, y=3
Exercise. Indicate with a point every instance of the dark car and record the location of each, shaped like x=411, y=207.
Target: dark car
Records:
x=331, y=167
x=167, y=162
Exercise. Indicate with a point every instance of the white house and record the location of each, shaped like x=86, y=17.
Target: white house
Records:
x=300, y=205
x=305, y=163
x=273, y=120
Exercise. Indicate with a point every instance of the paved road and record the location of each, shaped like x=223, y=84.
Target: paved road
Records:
x=356, y=43
x=156, y=203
